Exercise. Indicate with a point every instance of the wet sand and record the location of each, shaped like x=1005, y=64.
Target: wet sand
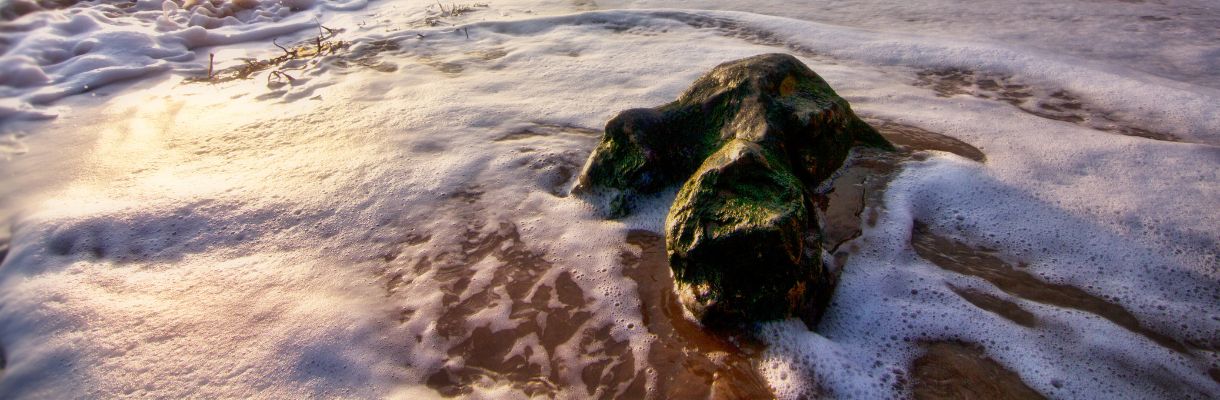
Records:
x=1014, y=280
x=1054, y=104
x=550, y=343
x=685, y=360
x=952, y=370
x=691, y=362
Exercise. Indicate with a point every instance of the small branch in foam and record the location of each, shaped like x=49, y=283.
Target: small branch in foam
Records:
x=322, y=44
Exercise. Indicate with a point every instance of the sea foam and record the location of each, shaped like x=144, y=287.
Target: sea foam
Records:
x=372, y=232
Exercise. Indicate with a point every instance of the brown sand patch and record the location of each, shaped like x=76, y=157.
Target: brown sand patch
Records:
x=1056, y=104
x=952, y=370
x=691, y=362
x=1015, y=280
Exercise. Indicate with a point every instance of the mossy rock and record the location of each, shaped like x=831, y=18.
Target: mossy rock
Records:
x=748, y=142
x=772, y=99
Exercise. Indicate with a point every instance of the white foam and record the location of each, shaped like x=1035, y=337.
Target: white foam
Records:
x=56, y=53
x=890, y=301
x=1173, y=39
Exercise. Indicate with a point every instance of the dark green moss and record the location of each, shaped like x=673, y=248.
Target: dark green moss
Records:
x=773, y=100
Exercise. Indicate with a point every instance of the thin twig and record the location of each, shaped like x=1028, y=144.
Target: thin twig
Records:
x=211, y=62
x=281, y=47
x=280, y=75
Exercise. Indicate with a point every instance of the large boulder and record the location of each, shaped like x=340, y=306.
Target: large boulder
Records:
x=748, y=141
x=772, y=99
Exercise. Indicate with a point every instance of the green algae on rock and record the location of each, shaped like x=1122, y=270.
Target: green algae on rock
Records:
x=772, y=99
x=748, y=141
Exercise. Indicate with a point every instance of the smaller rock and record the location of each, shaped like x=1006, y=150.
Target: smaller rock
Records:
x=740, y=239
x=643, y=151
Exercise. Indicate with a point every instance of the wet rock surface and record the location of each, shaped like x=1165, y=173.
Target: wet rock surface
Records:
x=749, y=142
x=739, y=240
